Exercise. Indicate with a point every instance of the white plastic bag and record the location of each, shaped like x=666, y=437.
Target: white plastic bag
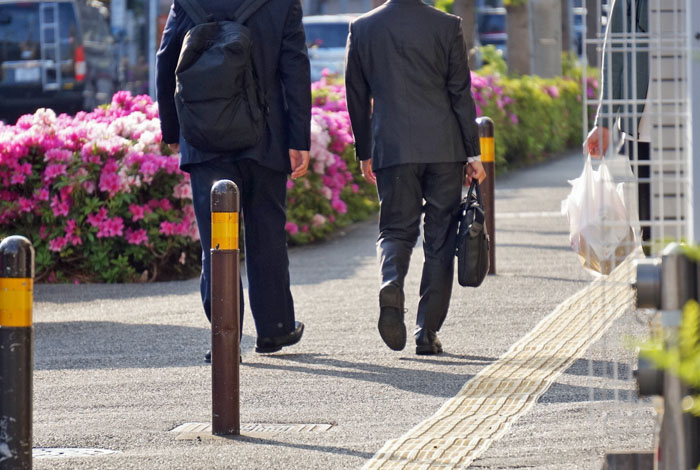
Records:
x=602, y=212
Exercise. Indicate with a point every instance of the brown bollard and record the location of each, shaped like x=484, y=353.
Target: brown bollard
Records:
x=225, y=309
x=16, y=352
x=488, y=159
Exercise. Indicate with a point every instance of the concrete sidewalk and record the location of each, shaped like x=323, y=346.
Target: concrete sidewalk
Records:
x=118, y=367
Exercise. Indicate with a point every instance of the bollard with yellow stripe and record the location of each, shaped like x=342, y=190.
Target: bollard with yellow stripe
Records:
x=488, y=159
x=225, y=309
x=16, y=351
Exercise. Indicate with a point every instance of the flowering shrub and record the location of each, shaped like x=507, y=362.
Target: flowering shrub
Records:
x=102, y=199
x=533, y=116
x=331, y=195
x=98, y=195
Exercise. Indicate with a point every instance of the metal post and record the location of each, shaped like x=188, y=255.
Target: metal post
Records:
x=488, y=159
x=693, y=26
x=678, y=286
x=225, y=309
x=16, y=352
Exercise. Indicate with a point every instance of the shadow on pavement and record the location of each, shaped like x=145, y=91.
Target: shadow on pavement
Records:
x=596, y=368
x=111, y=345
x=320, y=448
x=427, y=382
x=562, y=393
x=69, y=293
x=567, y=393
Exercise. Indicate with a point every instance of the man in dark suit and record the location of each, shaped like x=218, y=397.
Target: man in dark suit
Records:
x=282, y=67
x=413, y=117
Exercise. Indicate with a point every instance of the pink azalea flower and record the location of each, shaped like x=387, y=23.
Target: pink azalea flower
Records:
x=291, y=228
x=138, y=212
x=52, y=172
x=57, y=243
x=339, y=206
x=43, y=194
x=59, y=207
x=136, y=237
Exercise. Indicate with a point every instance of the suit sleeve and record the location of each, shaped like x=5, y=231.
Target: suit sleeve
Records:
x=358, y=99
x=295, y=73
x=166, y=62
x=459, y=89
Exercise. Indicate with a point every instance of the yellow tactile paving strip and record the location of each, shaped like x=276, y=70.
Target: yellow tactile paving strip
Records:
x=466, y=425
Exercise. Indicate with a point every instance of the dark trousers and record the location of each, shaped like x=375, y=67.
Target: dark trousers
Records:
x=263, y=208
x=641, y=171
x=405, y=192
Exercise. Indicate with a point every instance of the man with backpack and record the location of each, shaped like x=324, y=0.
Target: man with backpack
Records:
x=245, y=118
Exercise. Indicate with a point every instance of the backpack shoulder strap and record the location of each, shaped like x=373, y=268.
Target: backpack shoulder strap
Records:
x=195, y=11
x=247, y=9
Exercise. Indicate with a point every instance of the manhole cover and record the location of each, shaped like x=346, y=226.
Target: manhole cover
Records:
x=46, y=452
x=203, y=430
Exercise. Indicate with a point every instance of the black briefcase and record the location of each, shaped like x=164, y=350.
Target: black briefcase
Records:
x=472, y=249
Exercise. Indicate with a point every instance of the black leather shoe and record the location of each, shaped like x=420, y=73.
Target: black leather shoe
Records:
x=391, y=326
x=427, y=342
x=207, y=357
x=275, y=343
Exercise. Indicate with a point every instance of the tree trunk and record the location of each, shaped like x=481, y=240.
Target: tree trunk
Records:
x=566, y=25
x=466, y=10
x=518, y=42
x=592, y=27
x=545, y=37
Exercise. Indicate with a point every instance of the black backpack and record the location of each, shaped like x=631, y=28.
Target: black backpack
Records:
x=218, y=99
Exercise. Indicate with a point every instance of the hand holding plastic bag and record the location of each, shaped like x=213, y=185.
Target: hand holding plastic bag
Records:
x=602, y=212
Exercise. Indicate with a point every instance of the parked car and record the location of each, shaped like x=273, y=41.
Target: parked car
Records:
x=54, y=54
x=491, y=27
x=326, y=37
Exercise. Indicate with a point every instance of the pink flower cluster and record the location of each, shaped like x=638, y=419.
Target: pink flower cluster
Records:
x=331, y=179
x=100, y=175
x=486, y=89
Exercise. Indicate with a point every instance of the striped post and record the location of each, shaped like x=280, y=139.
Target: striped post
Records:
x=16, y=352
x=225, y=309
x=488, y=159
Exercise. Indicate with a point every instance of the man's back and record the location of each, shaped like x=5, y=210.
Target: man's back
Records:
x=279, y=57
x=408, y=55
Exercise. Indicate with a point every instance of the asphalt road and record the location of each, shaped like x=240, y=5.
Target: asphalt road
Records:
x=118, y=367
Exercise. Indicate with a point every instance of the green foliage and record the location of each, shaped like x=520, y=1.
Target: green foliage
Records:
x=683, y=357
x=445, y=5
x=541, y=116
x=494, y=64
x=514, y=3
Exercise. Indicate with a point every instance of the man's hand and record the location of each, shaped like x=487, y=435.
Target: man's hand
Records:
x=175, y=148
x=300, y=162
x=367, y=173
x=475, y=170
x=597, y=142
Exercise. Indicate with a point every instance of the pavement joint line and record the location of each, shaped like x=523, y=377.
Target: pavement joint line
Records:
x=528, y=215
x=195, y=431
x=487, y=405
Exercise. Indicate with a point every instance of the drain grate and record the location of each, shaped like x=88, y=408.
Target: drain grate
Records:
x=47, y=452
x=203, y=430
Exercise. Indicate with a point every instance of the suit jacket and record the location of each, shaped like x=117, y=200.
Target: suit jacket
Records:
x=628, y=16
x=281, y=63
x=409, y=87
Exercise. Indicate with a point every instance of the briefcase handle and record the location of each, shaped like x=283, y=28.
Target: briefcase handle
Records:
x=474, y=188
